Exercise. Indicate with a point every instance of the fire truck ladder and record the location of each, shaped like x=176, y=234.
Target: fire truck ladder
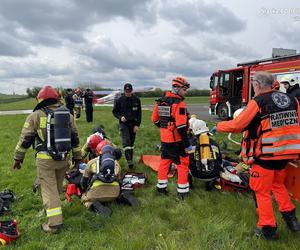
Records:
x=272, y=59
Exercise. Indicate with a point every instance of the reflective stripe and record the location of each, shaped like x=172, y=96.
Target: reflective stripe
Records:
x=54, y=211
x=280, y=138
x=162, y=184
x=268, y=150
x=43, y=122
x=26, y=125
x=45, y=156
x=182, y=126
x=183, y=188
x=98, y=183
x=21, y=149
x=128, y=148
x=62, y=140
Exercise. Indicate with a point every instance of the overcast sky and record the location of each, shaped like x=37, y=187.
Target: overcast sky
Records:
x=146, y=42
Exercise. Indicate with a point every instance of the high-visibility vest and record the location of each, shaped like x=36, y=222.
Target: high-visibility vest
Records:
x=276, y=134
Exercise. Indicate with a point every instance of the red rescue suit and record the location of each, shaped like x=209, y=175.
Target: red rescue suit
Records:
x=271, y=125
x=170, y=116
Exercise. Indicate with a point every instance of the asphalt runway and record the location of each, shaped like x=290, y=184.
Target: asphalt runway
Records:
x=201, y=110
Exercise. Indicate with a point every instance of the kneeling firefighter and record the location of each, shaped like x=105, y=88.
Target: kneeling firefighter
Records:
x=51, y=130
x=100, y=180
x=206, y=158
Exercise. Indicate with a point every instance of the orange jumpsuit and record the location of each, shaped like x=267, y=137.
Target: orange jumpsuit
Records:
x=170, y=116
x=271, y=124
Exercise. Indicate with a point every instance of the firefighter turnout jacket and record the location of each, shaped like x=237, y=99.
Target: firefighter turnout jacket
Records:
x=34, y=132
x=98, y=190
x=271, y=125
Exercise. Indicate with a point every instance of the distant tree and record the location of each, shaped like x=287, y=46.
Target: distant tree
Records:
x=33, y=92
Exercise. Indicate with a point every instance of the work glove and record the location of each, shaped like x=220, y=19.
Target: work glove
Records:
x=189, y=149
x=17, y=164
x=214, y=130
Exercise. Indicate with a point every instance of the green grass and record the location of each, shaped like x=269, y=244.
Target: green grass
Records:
x=206, y=220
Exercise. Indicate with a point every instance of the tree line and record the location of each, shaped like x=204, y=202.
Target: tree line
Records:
x=33, y=92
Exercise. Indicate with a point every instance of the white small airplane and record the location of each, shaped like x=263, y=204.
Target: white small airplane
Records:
x=109, y=96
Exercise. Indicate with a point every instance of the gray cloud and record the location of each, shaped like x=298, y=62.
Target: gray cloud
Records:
x=193, y=17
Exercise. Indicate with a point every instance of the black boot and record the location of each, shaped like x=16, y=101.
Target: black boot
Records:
x=128, y=156
x=128, y=198
x=162, y=190
x=101, y=209
x=267, y=232
x=182, y=196
x=291, y=220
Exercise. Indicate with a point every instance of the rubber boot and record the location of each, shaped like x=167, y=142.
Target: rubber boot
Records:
x=97, y=207
x=266, y=232
x=291, y=220
x=127, y=198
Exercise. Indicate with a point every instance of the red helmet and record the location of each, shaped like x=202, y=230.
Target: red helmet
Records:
x=100, y=146
x=180, y=82
x=47, y=92
x=9, y=232
x=94, y=140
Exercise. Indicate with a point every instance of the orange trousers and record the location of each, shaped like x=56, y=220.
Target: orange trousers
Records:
x=263, y=182
x=182, y=172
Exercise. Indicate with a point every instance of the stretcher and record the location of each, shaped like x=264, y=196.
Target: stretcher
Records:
x=293, y=180
x=152, y=161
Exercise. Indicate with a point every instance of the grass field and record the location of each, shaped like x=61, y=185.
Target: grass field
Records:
x=206, y=220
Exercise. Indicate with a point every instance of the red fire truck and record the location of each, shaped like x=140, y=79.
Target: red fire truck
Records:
x=231, y=89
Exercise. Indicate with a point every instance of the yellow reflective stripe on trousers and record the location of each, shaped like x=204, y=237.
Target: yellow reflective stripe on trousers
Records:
x=21, y=149
x=77, y=149
x=43, y=156
x=53, y=211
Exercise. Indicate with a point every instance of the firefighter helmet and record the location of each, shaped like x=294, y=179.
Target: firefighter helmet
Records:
x=288, y=79
x=237, y=112
x=94, y=140
x=180, y=82
x=100, y=146
x=47, y=92
x=198, y=126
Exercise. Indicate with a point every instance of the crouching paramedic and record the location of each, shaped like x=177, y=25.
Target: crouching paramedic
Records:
x=170, y=116
x=51, y=129
x=271, y=138
x=206, y=158
x=100, y=180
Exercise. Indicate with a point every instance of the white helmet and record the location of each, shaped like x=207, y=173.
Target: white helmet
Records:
x=288, y=79
x=198, y=126
x=237, y=112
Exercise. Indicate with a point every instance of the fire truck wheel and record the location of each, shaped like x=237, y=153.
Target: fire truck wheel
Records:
x=223, y=112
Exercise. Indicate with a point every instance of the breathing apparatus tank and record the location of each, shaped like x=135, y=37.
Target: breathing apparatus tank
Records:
x=59, y=133
x=106, y=172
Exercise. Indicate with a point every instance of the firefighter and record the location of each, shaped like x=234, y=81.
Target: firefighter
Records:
x=291, y=86
x=69, y=100
x=52, y=144
x=88, y=151
x=170, y=116
x=127, y=108
x=101, y=180
x=271, y=137
x=88, y=101
x=78, y=103
x=206, y=158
